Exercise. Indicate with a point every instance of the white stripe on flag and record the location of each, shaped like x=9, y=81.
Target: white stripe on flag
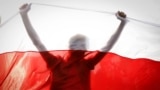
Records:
x=56, y=25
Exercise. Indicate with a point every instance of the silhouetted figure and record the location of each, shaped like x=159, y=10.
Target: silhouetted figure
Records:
x=71, y=72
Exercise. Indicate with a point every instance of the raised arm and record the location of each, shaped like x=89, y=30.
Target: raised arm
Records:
x=29, y=28
x=122, y=17
x=99, y=55
x=49, y=58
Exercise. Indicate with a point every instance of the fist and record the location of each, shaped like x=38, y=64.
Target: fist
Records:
x=121, y=15
x=25, y=8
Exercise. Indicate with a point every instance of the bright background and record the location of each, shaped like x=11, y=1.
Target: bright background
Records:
x=56, y=25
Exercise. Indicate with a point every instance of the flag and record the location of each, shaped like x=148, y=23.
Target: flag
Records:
x=132, y=64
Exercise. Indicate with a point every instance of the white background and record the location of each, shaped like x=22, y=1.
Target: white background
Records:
x=55, y=25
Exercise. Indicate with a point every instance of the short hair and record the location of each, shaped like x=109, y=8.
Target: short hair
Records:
x=77, y=37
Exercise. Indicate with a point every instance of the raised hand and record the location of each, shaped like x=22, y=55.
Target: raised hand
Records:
x=25, y=8
x=121, y=16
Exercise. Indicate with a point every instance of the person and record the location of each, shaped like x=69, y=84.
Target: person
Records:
x=71, y=72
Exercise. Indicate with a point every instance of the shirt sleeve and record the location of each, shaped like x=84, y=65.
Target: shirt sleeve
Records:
x=50, y=59
x=93, y=58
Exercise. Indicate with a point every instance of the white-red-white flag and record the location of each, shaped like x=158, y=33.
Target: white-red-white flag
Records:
x=132, y=64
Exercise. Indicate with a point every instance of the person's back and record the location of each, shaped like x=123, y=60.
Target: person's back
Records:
x=72, y=72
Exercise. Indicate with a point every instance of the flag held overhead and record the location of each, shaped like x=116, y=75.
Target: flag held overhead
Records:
x=132, y=64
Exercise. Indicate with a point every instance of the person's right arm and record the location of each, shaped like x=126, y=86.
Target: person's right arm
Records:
x=49, y=58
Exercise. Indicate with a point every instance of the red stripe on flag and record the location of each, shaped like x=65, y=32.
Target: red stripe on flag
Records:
x=27, y=70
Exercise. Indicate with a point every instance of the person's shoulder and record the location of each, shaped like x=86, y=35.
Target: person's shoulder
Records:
x=88, y=54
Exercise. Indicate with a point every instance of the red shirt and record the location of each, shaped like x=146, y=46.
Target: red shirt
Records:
x=72, y=72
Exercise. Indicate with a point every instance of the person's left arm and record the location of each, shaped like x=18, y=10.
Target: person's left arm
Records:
x=100, y=54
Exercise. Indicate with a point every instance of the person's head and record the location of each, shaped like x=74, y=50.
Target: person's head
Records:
x=78, y=42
